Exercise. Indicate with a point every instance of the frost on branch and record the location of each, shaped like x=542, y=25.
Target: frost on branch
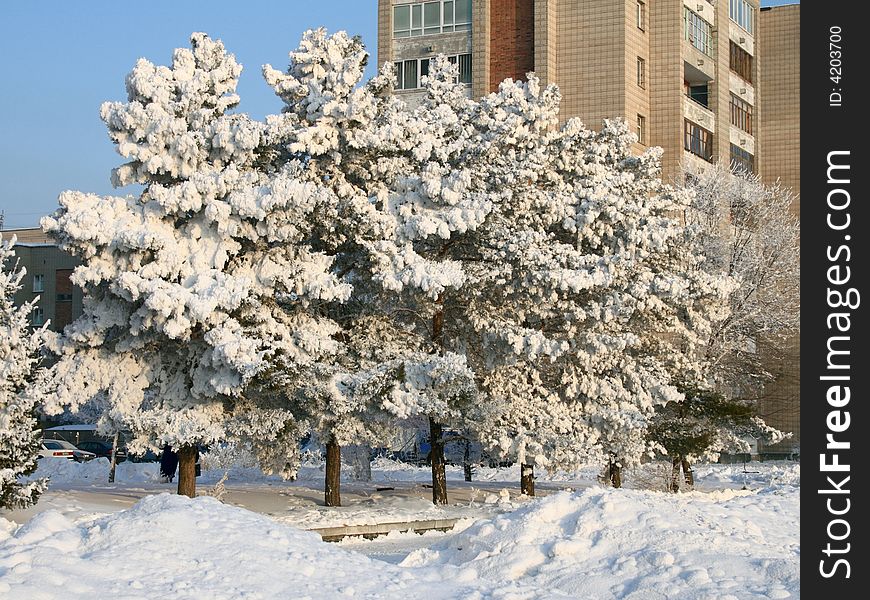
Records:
x=171, y=124
x=205, y=281
x=19, y=348
x=746, y=230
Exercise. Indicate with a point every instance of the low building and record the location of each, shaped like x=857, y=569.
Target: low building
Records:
x=48, y=270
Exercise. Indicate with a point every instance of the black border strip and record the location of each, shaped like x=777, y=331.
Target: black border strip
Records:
x=835, y=229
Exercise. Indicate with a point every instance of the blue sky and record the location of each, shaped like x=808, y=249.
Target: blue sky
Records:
x=62, y=59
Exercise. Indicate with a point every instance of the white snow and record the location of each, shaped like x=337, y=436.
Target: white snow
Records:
x=87, y=538
x=172, y=547
x=603, y=543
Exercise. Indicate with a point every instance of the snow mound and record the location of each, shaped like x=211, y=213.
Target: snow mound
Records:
x=172, y=547
x=602, y=543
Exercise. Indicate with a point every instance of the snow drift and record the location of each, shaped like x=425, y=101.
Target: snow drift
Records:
x=172, y=547
x=603, y=543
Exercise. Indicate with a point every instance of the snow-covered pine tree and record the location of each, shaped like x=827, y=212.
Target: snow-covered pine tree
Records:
x=598, y=307
x=352, y=140
x=19, y=358
x=437, y=208
x=203, y=281
x=703, y=425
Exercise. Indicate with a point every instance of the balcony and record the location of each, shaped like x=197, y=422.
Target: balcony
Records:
x=697, y=66
x=742, y=140
x=741, y=37
x=703, y=8
x=700, y=114
x=741, y=88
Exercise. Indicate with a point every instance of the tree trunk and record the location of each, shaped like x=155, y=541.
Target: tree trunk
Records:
x=114, y=458
x=439, y=474
x=687, y=473
x=436, y=439
x=527, y=479
x=675, y=474
x=187, y=471
x=466, y=461
x=332, y=489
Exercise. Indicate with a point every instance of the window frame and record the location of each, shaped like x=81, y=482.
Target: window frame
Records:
x=687, y=89
x=37, y=316
x=641, y=129
x=697, y=31
x=740, y=159
x=740, y=61
x=742, y=13
x=641, y=72
x=701, y=145
x=741, y=113
x=446, y=24
x=457, y=59
x=38, y=282
x=641, y=15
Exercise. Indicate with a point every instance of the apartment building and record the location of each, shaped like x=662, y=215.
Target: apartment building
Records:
x=779, y=46
x=48, y=270
x=684, y=73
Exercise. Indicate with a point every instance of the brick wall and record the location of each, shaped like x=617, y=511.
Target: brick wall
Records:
x=63, y=289
x=512, y=40
x=779, y=130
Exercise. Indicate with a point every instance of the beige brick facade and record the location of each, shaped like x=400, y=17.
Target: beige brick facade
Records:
x=780, y=91
x=779, y=47
x=592, y=49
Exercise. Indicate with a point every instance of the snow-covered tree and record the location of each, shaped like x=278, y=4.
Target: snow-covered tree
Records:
x=371, y=151
x=702, y=426
x=437, y=208
x=747, y=230
x=347, y=135
x=19, y=348
x=206, y=279
x=598, y=308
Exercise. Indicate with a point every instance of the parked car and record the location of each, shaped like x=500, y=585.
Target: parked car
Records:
x=147, y=456
x=63, y=449
x=103, y=449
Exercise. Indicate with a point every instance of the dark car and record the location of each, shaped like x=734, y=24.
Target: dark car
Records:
x=147, y=456
x=103, y=449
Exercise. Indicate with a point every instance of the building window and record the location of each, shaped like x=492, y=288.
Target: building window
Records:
x=37, y=317
x=641, y=129
x=698, y=93
x=429, y=18
x=698, y=141
x=39, y=283
x=641, y=15
x=464, y=61
x=742, y=13
x=741, y=160
x=741, y=62
x=64, y=297
x=741, y=114
x=410, y=73
x=641, y=72
x=698, y=32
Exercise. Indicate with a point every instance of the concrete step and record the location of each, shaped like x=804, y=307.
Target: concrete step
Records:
x=334, y=534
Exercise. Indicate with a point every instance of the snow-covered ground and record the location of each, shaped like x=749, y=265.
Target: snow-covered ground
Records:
x=131, y=539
